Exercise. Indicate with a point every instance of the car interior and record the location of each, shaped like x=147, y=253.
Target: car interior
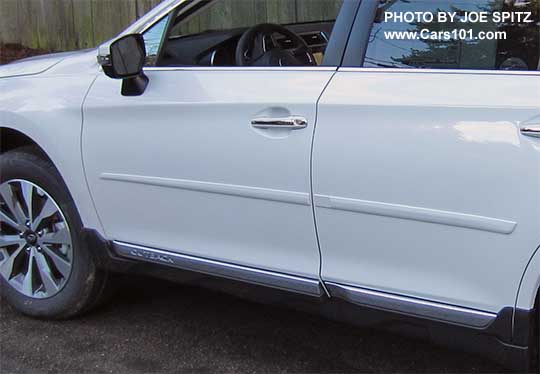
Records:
x=301, y=43
x=218, y=48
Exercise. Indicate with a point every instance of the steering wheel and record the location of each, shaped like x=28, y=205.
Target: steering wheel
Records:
x=253, y=48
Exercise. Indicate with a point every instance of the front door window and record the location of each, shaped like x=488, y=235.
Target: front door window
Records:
x=245, y=33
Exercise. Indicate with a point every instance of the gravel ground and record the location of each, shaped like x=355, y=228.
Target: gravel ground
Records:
x=154, y=326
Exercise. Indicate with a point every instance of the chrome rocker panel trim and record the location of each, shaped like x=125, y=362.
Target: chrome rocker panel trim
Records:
x=306, y=286
x=411, y=306
x=311, y=287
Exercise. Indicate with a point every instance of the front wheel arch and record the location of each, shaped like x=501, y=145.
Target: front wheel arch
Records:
x=11, y=139
x=71, y=293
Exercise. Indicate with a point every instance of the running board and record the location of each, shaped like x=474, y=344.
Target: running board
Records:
x=306, y=286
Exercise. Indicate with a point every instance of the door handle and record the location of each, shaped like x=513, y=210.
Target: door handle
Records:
x=292, y=123
x=531, y=130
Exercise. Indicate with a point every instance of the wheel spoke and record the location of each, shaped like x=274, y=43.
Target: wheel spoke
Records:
x=7, y=220
x=28, y=194
x=13, y=204
x=28, y=281
x=58, y=237
x=45, y=274
x=49, y=208
x=6, y=268
x=7, y=240
x=63, y=266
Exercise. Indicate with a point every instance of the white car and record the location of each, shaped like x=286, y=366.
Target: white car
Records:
x=294, y=145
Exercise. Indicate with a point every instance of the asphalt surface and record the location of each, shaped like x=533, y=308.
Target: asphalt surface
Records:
x=154, y=326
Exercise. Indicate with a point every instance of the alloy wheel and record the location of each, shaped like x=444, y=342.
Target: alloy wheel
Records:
x=36, y=251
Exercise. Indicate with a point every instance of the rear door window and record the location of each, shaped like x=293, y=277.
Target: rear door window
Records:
x=479, y=34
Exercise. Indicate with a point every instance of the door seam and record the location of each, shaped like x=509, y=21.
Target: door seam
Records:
x=311, y=193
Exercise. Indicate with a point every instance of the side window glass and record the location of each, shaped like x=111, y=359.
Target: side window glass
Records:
x=507, y=37
x=282, y=33
x=153, y=38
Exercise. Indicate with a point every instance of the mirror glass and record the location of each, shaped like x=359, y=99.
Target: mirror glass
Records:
x=128, y=55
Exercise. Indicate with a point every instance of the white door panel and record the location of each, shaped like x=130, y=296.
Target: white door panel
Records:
x=181, y=168
x=424, y=185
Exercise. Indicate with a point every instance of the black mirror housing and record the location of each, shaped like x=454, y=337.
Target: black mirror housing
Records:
x=126, y=61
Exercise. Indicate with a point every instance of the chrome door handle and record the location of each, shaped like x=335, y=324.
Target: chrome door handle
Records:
x=531, y=130
x=292, y=123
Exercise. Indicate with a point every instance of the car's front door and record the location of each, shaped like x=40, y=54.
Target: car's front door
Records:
x=182, y=168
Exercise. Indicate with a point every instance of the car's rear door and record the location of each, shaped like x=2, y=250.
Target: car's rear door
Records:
x=426, y=180
x=182, y=169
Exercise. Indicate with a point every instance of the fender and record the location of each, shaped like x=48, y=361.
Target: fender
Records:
x=36, y=108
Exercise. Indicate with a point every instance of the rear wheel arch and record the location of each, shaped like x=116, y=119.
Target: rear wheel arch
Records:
x=526, y=314
x=530, y=283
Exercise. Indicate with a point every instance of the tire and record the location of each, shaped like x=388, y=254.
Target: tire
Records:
x=43, y=279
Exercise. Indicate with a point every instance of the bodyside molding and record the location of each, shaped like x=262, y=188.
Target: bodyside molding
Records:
x=441, y=217
x=306, y=286
x=411, y=306
x=289, y=197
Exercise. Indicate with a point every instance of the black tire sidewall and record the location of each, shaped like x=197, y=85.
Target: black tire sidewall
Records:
x=74, y=295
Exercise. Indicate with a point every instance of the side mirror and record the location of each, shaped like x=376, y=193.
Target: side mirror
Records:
x=126, y=61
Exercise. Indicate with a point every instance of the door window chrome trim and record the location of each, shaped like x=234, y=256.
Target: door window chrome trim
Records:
x=292, y=283
x=411, y=306
x=242, y=68
x=437, y=71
